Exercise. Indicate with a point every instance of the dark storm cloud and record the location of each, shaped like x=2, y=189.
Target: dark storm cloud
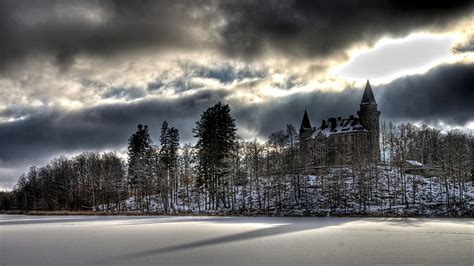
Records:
x=305, y=28
x=63, y=29
x=445, y=93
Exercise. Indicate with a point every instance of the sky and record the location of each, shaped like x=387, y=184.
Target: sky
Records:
x=80, y=75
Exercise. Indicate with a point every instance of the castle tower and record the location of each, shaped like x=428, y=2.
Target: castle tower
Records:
x=370, y=118
x=305, y=132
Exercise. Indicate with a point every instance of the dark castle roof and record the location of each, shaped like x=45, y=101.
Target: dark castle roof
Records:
x=305, y=123
x=339, y=125
x=368, y=96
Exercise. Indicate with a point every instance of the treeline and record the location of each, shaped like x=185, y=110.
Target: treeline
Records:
x=78, y=183
x=224, y=172
x=448, y=156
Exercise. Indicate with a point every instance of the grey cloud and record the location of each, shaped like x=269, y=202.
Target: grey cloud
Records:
x=129, y=93
x=444, y=94
x=288, y=83
x=63, y=29
x=155, y=85
x=20, y=111
x=465, y=47
x=315, y=28
x=224, y=73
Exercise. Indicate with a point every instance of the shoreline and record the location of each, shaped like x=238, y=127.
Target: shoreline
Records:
x=225, y=213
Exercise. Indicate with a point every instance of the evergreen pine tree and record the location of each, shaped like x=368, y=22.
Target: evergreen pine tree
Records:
x=216, y=133
x=139, y=157
x=169, y=140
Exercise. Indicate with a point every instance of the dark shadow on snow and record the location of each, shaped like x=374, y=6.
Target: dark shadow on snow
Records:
x=279, y=226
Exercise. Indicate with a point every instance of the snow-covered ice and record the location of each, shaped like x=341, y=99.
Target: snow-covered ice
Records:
x=165, y=240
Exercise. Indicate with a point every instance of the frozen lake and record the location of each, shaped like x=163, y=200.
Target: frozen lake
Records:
x=86, y=240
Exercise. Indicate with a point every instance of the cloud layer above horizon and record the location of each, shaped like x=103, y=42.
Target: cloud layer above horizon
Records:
x=79, y=75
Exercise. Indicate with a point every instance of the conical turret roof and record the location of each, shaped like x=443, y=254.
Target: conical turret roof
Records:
x=368, y=96
x=305, y=123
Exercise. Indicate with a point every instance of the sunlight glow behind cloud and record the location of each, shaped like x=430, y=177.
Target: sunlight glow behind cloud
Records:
x=393, y=58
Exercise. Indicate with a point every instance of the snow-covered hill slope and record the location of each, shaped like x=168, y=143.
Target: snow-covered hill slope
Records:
x=340, y=191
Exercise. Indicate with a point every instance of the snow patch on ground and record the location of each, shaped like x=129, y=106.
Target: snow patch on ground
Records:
x=336, y=193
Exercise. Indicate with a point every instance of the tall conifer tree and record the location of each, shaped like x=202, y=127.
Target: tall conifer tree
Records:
x=216, y=133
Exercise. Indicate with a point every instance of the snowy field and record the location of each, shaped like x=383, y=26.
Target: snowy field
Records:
x=87, y=240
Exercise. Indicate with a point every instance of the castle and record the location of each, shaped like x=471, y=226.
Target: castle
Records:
x=343, y=140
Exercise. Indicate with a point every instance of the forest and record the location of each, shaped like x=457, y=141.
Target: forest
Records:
x=422, y=171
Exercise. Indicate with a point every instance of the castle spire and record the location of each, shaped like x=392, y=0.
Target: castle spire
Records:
x=305, y=123
x=368, y=96
x=370, y=118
